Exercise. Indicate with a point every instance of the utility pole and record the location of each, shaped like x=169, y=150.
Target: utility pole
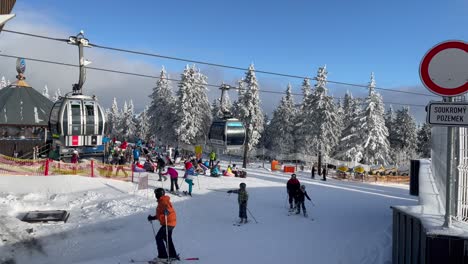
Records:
x=246, y=145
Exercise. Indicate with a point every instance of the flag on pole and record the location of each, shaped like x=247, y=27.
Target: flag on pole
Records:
x=143, y=183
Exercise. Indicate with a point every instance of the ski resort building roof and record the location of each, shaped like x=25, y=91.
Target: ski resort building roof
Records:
x=21, y=105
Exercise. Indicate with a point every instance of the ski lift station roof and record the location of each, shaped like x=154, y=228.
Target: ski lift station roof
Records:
x=21, y=105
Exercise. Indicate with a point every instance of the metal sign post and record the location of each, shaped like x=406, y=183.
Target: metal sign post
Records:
x=448, y=180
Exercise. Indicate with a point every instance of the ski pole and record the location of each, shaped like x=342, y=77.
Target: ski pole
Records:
x=154, y=233
x=167, y=234
x=312, y=203
x=251, y=215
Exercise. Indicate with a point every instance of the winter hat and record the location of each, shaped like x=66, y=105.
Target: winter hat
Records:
x=159, y=192
x=242, y=185
x=302, y=187
x=293, y=176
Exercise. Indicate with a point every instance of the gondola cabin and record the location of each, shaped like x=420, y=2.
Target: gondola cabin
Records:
x=77, y=120
x=227, y=133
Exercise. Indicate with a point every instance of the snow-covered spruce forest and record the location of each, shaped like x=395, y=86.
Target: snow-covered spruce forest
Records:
x=348, y=129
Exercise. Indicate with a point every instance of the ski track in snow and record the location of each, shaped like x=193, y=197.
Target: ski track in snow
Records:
x=108, y=223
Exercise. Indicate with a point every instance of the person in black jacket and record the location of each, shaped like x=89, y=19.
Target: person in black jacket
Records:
x=324, y=173
x=161, y=165
x=292, y=187
x=300, y=198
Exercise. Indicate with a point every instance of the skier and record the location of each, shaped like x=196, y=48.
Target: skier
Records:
x=161, y=164
x=174, y=177
x=212, y=158
x=242, y=198
x=166, y=215
x=292, y=187
x=313, y=172
x=300, y=198
x=120, y=167
x=189, y=173
x=136, y=155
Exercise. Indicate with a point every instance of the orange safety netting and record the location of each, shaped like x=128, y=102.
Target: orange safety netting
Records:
x=14, y=166
x=45, y=167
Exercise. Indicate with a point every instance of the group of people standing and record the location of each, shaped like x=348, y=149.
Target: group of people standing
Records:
x=296, y=195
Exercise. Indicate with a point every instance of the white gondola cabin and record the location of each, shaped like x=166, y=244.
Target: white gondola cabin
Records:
x=227, y=133
x=77, y=120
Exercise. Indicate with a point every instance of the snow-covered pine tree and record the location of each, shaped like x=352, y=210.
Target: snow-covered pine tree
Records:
x=323, y=117
x=238, y=104
x=282, y=125
x=373, y=130
x=143, y=125
x=339, y=126
x=406, y=135
x=57, y=95
x=124, y=122
x=306, y=89
x=317, y=133
x=3, y=83
x=215, y=109
x=424, y=141
x=113, y=120
x=390, y=124
x=265, y=141
x=193, y=115
x=162, y=110
x=349, y=147
x=202, y=106
x=45, y=92
x=131, y=131
x=250, y=112
x=306, y=92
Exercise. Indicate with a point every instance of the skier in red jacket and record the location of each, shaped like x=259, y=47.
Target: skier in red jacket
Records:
x=292, y=187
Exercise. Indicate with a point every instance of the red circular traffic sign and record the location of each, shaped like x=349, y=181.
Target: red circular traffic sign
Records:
x=425, y=75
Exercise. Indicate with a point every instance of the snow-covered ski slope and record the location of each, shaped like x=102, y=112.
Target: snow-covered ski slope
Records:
x=107, y=224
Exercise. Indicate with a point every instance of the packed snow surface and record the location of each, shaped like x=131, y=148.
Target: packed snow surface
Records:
x=107, y=224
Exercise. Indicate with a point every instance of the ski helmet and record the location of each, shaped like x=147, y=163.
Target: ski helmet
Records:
x=302, y=187
x=159, y=192
x=242, y=185
x=293, y=176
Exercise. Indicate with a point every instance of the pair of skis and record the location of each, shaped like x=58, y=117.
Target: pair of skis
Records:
x=180, y=194
x=161, y=261
x=294, y=213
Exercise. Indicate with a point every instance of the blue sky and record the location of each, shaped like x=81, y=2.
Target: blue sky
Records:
x=353, y=38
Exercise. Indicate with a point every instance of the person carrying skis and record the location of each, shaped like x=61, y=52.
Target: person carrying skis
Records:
x=300, y=198
x=292, y=186
x=174, y=177
x=167, y=217
x=242, y=198
x=212, y=158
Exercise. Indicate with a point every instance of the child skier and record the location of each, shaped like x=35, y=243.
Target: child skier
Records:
x=166, y=215
x=300, y=198
x=242, y=198
x=188, y=176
